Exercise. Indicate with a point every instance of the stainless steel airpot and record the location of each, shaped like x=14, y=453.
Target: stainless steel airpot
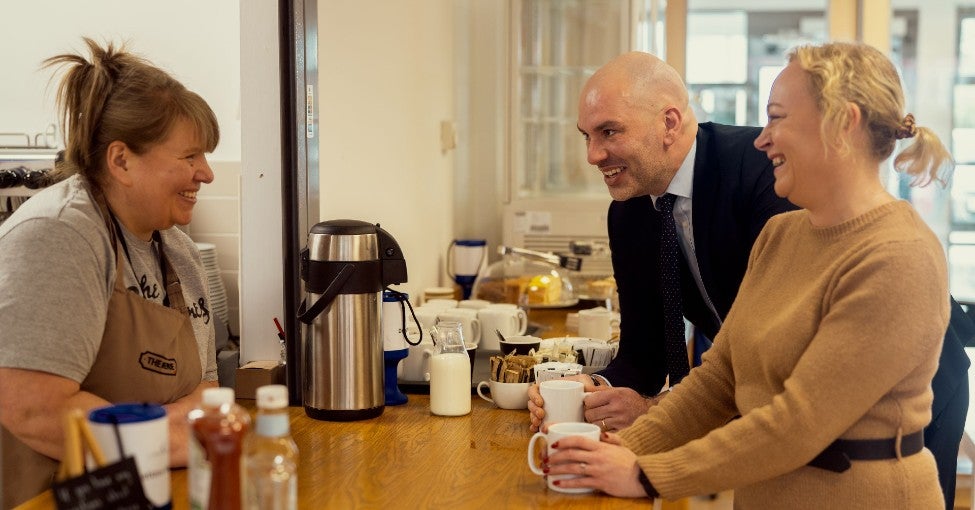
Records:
x=345, y=268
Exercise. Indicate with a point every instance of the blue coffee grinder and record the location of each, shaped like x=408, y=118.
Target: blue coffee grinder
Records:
x=465, y=259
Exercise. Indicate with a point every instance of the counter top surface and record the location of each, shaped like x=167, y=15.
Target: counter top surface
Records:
x=409, y=458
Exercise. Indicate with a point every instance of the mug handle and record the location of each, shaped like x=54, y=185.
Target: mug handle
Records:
x=480, y=387
x=522, y=322
x=476, y=331
x=531, y=449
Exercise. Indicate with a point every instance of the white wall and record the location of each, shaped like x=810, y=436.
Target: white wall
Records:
x=480, y=67
x=197, y=42
x=261, y=213
x=386, y=79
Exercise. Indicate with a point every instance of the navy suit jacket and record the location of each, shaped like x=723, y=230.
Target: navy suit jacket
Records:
x=733, y=197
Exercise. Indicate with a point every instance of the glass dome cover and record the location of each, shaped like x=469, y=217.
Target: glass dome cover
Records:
x=526, y=282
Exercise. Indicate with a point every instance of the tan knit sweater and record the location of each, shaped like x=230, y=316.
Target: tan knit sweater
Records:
x=835, y=333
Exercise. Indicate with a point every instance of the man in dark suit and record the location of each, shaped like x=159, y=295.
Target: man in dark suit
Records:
x=732, y=199
x=645, y=140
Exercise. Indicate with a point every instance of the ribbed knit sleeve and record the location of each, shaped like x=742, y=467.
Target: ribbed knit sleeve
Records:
x=695, y=406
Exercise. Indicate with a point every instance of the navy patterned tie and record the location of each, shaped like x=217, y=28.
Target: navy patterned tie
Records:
x=676, y=346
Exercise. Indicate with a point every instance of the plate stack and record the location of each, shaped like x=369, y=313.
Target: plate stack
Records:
x=218, y=293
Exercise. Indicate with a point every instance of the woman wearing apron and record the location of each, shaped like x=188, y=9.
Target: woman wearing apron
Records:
x=102, y=299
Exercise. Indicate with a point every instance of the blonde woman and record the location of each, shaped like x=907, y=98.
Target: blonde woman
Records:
x=828, y=352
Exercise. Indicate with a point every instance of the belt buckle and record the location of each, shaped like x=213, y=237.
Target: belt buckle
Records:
x=832, y=460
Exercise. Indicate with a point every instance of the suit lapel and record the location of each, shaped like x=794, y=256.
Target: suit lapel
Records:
x=702, y=204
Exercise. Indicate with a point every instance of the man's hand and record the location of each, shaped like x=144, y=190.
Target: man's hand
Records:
x=617, y=408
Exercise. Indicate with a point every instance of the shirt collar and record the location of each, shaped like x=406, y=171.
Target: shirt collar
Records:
x=682, y=185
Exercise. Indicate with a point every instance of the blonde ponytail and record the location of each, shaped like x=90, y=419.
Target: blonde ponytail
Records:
x=926, y=159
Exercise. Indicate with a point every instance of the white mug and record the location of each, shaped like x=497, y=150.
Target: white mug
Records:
x=510, y=322
x=440, y=303
x=597, y=323
x=468, y=319
x=505, y=395
x=427, y=317
x=556, y=432
x=475, y=304
x=550, y=370
x=563, y=401
x=416, y=365
x=143, y=431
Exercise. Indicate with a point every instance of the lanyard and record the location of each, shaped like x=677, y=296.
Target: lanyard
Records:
x=125, y=248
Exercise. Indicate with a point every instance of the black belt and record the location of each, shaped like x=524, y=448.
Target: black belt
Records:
x=837, y=456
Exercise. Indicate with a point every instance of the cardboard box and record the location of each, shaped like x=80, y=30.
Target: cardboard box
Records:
x=256, y=374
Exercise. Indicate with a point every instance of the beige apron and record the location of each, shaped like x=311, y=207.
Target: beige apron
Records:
x=148, y=353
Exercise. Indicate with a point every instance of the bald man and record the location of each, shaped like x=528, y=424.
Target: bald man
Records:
x=642, y=135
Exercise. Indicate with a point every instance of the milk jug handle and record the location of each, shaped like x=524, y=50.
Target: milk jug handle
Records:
x=308, y=316
x=404, y=299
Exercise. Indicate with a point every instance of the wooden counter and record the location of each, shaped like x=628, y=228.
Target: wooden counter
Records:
x=408, y=458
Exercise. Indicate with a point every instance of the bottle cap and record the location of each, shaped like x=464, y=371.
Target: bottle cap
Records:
x=272, y=396
x=218, y=396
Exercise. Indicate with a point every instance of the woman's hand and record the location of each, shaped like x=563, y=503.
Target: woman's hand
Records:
x=536, y=403
x=603, y=465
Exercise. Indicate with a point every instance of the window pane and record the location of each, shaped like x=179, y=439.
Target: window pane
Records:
x=709, y=30
x=961, y=240
x=966, y=46
x=736, y=48
x=560, y=44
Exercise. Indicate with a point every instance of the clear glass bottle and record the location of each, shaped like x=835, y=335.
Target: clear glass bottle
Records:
x=450, y=371
x=269, y=466
x=217, y=431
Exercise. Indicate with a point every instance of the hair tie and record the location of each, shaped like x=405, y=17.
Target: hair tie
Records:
x=907, y=129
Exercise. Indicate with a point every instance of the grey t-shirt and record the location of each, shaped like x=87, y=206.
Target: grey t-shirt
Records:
x=57, y=271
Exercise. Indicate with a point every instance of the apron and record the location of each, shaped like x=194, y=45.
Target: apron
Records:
x=148, y=353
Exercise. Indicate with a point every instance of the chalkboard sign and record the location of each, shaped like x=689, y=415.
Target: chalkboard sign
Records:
x=115, y=486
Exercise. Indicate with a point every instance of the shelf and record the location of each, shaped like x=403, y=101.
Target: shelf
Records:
x=12, y=154
x=19, y=191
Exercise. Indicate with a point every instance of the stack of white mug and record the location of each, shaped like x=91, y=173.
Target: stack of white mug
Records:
x=481, y=321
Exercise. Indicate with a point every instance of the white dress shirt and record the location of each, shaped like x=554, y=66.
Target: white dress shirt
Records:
x=682, y=185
